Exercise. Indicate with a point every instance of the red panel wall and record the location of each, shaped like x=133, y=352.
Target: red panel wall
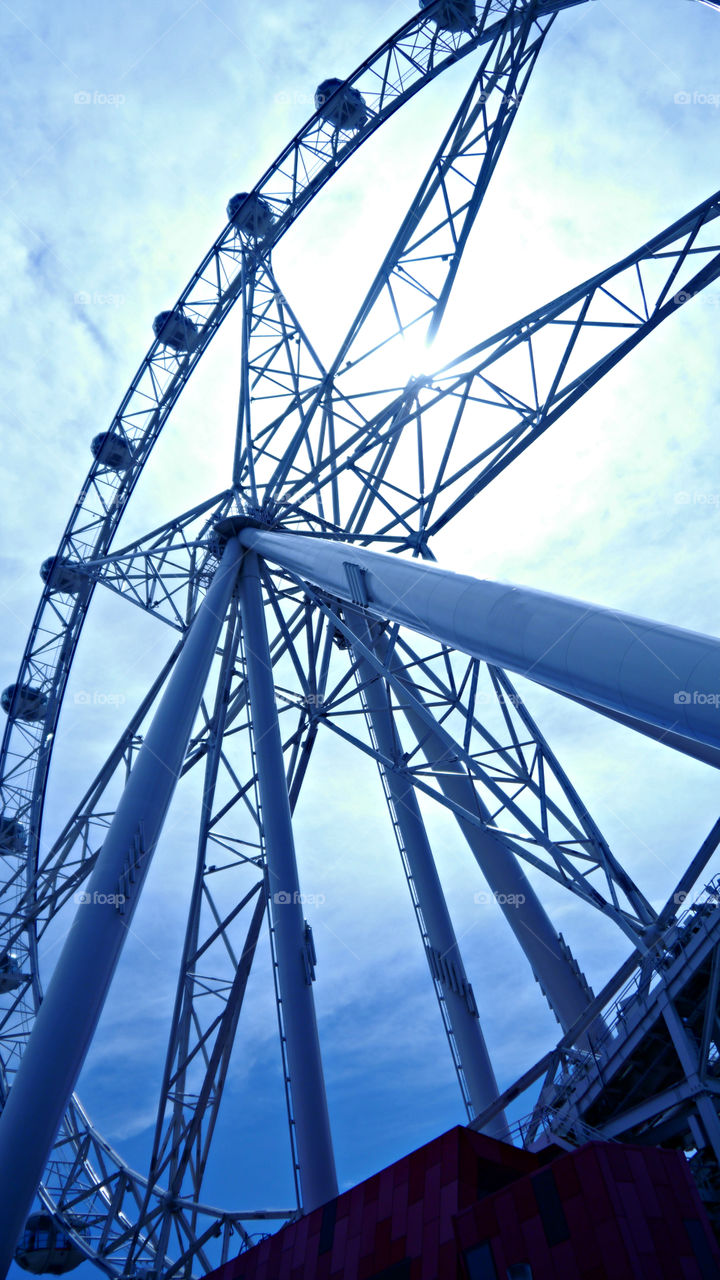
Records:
x=604, y=1210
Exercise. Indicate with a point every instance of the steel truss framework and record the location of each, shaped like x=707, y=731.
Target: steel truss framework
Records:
x=341, y=455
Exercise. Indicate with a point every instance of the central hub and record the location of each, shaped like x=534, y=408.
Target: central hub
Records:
x=230, y=526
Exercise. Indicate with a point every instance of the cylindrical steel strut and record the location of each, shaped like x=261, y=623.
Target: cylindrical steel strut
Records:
x=307, y=1086
x=73, y=1002
x=647, y=671
x=565, y=992
x=445, y=959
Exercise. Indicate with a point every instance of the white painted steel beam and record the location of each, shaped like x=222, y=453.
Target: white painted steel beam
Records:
x=549, y=960
x=318, y=1179
x=653, y=673
x=444, y=956
x=73, y=1002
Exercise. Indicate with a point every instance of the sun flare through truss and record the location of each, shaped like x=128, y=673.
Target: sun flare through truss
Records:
x=307, y=600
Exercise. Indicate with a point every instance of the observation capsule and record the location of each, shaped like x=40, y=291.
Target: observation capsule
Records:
x=175, y=330
x=11, y=976
x=111, y=451
x=13, y=838
x=61, y=575
x=451, y=15
x=46, y=1248
x=31, y=703
x=250, y=214
x=344, y=110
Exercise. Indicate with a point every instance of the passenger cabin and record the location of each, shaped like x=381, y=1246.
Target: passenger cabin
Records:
x=175, y=330
x=111, y=450
x=13, y=838
x=451, y=15
x=61, y=575
x=30, y=703
x=342, y=106
x=250, y=215
x=45, y=1247
x=11, y=974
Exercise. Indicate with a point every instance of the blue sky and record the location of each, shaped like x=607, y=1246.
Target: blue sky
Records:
x=125, y=132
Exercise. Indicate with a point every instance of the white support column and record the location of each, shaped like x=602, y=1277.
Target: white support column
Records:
x=445, y=959
x=74, y=1000
x=307, y=1086
x=652, y=673
x=515, y=896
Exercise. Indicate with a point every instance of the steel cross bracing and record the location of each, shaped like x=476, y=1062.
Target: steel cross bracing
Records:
x=409, y=60
x=185, y=1112
x=409, y=293
x=155, y=1217
x=518, y=790
x=209, y=997
x=410, y=469
x=504, y=777
x=141, y=1208
x=328, y=701
x=625, y=297
x=452, y=689
x=51, y=643
x=279, y=369
x=70, y=859
x=184, y=1109
x=167, y=570
x=654, y=1073
x=171, y=544
x=452, y=987
x=69, y=1012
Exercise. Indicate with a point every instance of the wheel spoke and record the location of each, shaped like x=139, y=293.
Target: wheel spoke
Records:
x=335, y=460
x=519, y=792
x=433, y=449
x=280, y=373
x=409, y=294
x=218, y=949
x=167, y=572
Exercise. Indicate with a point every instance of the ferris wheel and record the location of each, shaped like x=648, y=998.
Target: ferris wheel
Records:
x=307, y=601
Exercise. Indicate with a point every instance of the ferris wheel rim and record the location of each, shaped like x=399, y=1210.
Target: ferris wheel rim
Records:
x=81, y=608
x=93, y=470
x=228, y=234
x=456, y=47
